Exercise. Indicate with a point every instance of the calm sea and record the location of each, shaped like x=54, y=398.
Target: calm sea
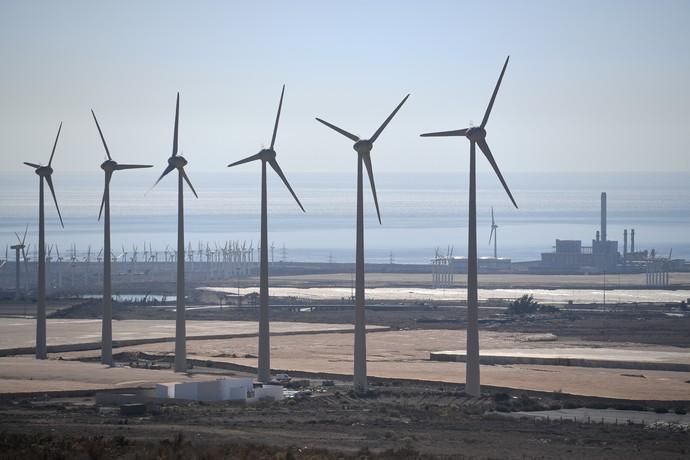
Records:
x=420, y=212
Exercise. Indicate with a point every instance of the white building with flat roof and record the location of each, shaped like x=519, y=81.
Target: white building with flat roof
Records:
x=226, y=389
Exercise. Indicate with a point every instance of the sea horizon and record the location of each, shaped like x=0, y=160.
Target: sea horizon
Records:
x=420, y=212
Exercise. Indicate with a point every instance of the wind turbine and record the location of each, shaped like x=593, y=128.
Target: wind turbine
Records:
x=494, y=232
x=17, y=249
x=363, y=148
x=476, y=136
x=178, y=162
x=45, y=173
x=267, y=156
x=109, y=166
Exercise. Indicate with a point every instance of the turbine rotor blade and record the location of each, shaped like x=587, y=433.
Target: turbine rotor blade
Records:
x=487, y=153
x=493, y=96
x=165, y=173
x=186, y=178
x=52, y=191
x=276, y=168
x=491, y=234
x=367, y=162
x=107, y=152
x=108, y=176
x=246, y=160
x=457, y=132
x=177, y=119
x=275, y=128
x=55, y=145
x=492, y=217
x=340, y=130
x=121, y=167
x=388, y=120
x=33, y=165
x=25, y=230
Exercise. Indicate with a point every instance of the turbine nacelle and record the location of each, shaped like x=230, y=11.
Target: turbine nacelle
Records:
x=178, y=161
x=109, y=165
x=476, y=133
x=44, y=171
x=363, y=146
x=267, y=154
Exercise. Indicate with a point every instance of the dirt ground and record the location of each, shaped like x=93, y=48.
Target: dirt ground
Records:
x=405, y=355
x=20, y=332
x=416, y=409
x=20, y=375
x=394, y=421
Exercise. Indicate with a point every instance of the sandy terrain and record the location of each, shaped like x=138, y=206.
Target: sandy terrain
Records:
x=24, y=375
x=20, y=332
x=405, y=355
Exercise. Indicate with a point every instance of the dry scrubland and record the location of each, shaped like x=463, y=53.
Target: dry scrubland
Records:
x=395, y=421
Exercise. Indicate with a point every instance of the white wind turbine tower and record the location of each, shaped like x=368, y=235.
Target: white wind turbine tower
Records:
x=178, y=162
x=477, y=136
x=267, y=156
x=363, y=148
x=494, y=233
x=109, y=166
x=45, y=173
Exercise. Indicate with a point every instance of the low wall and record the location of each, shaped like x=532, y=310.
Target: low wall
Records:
x=559, y=361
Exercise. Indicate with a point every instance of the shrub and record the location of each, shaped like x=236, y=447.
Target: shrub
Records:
x=523, y=306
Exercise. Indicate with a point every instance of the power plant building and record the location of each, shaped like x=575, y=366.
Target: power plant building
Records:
x=572, y=256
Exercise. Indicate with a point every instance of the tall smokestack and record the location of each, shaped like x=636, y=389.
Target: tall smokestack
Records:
x=603, y=216
x=625, y=243
x=632, y=240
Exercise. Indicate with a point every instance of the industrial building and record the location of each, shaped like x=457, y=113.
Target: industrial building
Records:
x=226, y=389
x=572, y=256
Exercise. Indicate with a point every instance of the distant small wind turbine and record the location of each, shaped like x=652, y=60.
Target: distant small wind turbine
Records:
x=109, y=166
x=45, y=173
x=363, y=148
x=266, y=156
x=494, y=232
x=178, y=162
x=19, y=248
x=476, y=136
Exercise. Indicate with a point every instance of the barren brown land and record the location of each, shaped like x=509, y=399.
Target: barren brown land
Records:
x=416, y=407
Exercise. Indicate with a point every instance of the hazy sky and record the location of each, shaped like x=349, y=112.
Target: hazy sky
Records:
x=601, y=85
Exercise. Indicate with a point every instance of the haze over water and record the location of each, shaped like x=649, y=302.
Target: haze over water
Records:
x=419, y=212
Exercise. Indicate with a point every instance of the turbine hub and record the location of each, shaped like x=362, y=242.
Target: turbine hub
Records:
x=363, y=146
x=108, y=165
x=178, y=161
x=44, y=171
x=476, y=133
x=267, y=154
